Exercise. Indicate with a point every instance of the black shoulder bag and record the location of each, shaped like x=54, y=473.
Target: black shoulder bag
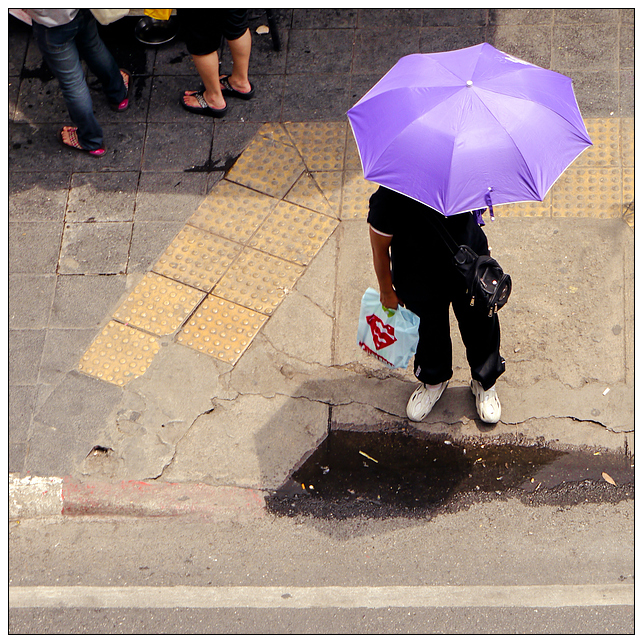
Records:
x=484, y=279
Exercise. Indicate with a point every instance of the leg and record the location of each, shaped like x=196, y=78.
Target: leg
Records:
x=433, y=357
x=240, y=50
x=208, y=68
x=99, y=59
x=481, y=337
x=59, y=50
x=202, y=35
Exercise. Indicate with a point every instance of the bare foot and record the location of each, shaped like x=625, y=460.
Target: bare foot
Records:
x=243, y=87
x=69, y=136
x=188, y=99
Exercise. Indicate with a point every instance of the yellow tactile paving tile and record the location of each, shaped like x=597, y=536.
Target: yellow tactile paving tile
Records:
x=293, y=233
x=275, y=132
x=352, y=161
x=596, y=184
x=221, y=329
x=158, y=305
x=524, y=209
x=233, y=211
x=605, y=151
x=628, y=186
x=330, y=183
x=589, y=192
x=627, y=142
x=258, y=281
x=355, y=195
x=268, y=167
x=119, y=354
x=308, y=194
x=322, y=145
x=197, y=258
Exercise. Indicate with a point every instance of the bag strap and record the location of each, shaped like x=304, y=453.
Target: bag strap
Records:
x=442, y=231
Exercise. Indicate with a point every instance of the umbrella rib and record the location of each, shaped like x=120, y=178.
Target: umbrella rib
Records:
x=438, y=62
x=531, y=176
x=531, y=100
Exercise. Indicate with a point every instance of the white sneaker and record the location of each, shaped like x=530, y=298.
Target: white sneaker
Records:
x=423, y=400
x=487, y=402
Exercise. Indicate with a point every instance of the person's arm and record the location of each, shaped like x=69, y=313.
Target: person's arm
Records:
x=380, y=245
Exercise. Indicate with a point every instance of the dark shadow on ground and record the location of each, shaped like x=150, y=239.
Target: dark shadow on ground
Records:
x=406, y=473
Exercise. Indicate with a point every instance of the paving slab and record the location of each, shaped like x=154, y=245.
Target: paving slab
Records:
x=34, y=247
x=31, y=300
x=89, y=202
x=241, y=442
x=64, y=428
x=84, y=301
x=38, y=196
x=169, y=196
x=95, y=248
x=25, y=349
x=167, y=147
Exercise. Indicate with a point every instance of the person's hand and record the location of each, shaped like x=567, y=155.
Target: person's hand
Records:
x=389, y=299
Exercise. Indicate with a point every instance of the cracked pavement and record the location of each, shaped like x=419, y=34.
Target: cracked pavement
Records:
x=567, y=331
x=251, y=425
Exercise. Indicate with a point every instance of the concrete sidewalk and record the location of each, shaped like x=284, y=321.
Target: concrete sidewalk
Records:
x=255, y=224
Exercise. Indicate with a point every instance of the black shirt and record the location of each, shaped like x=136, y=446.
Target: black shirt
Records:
x=417, y=250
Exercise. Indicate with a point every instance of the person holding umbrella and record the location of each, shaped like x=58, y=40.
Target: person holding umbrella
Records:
x=447, y=135
x=412, y=265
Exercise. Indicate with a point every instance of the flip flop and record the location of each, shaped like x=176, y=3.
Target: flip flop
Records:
x=124, y=104
x=228, y=90
x=204, y=108
x=75, y=144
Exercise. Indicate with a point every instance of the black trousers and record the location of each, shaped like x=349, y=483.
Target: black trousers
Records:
x=430, y=296
x=480, y=336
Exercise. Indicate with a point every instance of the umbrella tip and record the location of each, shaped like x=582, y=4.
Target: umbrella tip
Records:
x=469, y=83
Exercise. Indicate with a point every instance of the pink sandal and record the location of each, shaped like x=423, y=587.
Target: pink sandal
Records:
x=74, y=143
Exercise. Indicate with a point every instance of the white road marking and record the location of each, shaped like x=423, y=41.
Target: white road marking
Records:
x=321, y=597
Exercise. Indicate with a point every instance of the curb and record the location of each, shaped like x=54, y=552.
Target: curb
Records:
x=36, y=497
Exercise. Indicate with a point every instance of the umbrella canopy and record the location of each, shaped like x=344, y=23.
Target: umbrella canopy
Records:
x=462, y=129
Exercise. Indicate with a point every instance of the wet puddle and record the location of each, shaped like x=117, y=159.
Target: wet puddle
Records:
x=382, y=474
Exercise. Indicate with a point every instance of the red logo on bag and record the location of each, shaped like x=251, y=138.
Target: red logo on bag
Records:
x=383, y=334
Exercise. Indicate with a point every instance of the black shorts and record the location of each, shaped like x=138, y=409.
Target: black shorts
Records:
x=202, y=29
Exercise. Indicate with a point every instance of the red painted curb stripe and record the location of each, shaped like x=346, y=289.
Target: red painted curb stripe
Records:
x=151, y=499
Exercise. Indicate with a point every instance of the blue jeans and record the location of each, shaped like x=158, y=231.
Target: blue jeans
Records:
x=61, y=48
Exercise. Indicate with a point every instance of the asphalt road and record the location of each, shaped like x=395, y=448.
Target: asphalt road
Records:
x=501, y=566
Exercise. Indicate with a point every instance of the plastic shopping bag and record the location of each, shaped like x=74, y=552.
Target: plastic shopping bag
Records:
x=107, y=16
x=389, y=335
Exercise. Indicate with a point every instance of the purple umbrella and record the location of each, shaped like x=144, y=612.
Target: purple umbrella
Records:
x=463, y=129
